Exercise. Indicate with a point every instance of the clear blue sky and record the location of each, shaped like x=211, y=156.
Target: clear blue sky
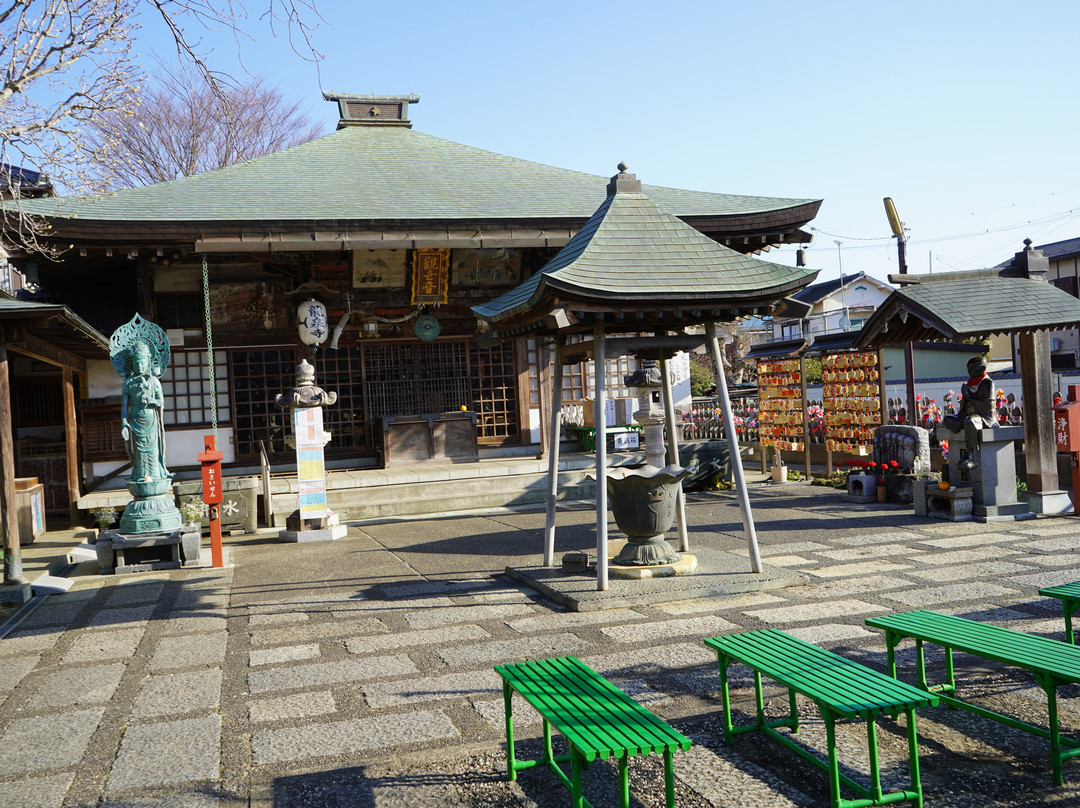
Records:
x=963, y=112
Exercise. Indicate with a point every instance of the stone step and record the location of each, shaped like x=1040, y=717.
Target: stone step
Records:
x=439, y=496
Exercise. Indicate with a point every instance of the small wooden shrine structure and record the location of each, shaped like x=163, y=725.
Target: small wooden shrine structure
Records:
x=52, y=335
x=1012, y=299
x=641, y=282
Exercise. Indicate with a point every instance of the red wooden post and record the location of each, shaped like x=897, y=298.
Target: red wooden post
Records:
x=213, y=494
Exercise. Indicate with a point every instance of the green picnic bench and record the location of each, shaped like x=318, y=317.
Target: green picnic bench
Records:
x=1051, y=662
x=597, y=720
x=1069, y=595
x=839, y=687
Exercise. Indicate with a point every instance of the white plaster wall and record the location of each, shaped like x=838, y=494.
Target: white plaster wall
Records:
x=183, y=446
x=532, y=431
x=102, y=379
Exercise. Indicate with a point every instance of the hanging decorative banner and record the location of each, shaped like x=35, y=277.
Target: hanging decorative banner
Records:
x=314, y=327
x=431, y=276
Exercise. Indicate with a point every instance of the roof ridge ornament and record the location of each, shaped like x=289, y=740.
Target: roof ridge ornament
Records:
x=624, y=183
x=372, y=110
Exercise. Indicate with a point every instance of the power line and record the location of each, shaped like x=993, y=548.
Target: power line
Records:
x=849, y=238
x=1055, y=218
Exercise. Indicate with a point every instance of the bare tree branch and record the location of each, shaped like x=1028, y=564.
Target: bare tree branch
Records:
x=183, y=126
x=67, y=64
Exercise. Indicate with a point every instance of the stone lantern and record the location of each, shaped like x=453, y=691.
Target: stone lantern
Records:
x=313, y=520
x=643, y=499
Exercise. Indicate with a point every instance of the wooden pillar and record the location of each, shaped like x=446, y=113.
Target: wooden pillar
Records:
x=71, y=447
x=600, y=396
x=760, y=406
x=824, y=420
x=1035, y=380
x=805, y=417
x=733, y=449
x=883, y=392
x=555, y=400
x=673, y=455
x=543, y=392
x=13, y=573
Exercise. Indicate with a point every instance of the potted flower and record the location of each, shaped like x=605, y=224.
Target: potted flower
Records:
x=105, y=518
x=882, y=485
x=193, y=510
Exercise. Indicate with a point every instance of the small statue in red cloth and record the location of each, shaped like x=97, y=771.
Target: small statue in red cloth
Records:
x=977, y=405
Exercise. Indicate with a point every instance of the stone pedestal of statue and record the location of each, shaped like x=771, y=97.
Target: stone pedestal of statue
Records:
x=119, y=553
x=992, y=479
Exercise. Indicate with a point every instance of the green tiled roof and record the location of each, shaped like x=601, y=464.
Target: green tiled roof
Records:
x=632, y=250
x=381, y=173
x=978, y=306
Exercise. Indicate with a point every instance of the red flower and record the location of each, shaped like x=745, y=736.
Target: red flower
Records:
x=894, y=464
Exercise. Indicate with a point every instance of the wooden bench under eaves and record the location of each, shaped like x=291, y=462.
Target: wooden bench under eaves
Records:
x=840, y=688
x=597, y=720
x=1051, y=662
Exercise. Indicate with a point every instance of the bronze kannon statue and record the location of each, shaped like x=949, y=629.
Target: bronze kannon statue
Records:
x=140, y=352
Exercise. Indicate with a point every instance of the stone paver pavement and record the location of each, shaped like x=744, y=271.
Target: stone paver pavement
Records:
x=300, y=677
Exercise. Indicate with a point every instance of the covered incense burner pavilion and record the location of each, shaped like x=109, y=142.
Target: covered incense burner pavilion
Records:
x=638, y=280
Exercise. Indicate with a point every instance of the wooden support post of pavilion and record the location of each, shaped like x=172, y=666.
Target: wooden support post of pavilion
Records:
x=805, y=417
x=71, y=446
x=673, y=455
x=733, y=449
x=555, y=434
x=600, y=396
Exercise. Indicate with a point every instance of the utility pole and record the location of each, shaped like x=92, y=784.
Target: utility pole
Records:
x=909, y=356
x=845, y=323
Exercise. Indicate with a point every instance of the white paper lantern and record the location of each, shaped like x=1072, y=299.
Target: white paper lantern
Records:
x=311, y=316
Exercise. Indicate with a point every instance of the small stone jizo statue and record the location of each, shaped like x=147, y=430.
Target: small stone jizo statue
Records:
x=977, y=407
x=976, y=412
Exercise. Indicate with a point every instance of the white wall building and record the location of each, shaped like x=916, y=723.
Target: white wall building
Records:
x=842, y=304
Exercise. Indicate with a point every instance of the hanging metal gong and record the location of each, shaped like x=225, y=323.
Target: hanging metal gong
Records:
x=426, y=327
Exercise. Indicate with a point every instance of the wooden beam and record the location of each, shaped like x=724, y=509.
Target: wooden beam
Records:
x=666, y=347
x=21, y=342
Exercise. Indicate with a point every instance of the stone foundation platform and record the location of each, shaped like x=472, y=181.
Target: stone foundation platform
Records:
x=118, y=553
